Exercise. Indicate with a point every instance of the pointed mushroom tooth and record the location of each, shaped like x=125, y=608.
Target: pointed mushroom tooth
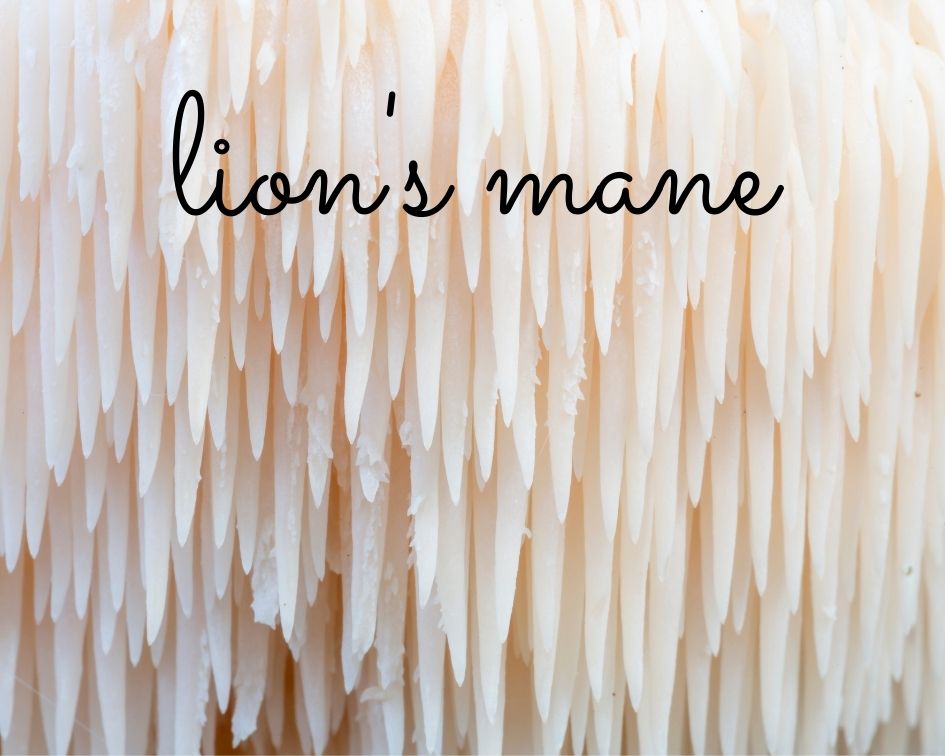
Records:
x=499, y=477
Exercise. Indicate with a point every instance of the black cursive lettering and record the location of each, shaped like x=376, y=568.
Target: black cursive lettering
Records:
x=278, y=182
x=282, y=192
x=540, y=199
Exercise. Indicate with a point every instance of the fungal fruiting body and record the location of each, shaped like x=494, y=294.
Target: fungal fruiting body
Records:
x=477, y=481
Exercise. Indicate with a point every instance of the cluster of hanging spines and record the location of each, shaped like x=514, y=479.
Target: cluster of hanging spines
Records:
x=474, y=481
